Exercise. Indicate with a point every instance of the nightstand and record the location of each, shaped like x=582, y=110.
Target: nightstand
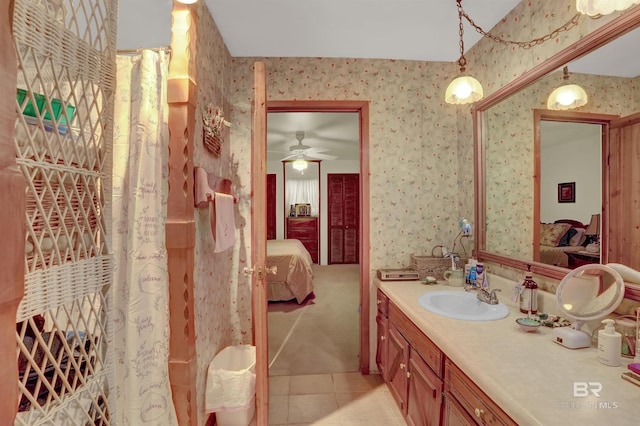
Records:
x=579, y=258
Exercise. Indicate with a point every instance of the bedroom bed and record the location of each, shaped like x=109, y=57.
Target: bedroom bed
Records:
x=294, y=277
x=559, y=238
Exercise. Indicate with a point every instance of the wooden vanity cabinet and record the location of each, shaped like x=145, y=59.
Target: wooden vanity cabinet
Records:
x=414, y=370
x=481, y=410
x=382, y=322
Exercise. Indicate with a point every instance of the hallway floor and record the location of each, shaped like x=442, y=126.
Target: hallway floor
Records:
x=337, y=399
x=313, y=352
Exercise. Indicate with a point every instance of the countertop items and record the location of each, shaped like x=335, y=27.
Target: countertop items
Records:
x=534, y=380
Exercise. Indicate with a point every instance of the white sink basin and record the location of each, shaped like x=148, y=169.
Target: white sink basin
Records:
x=462, y=305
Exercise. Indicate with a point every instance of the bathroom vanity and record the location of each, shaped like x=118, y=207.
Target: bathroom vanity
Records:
x=457, y=372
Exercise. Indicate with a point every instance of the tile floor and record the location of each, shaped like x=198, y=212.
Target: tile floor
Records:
x=337, y=399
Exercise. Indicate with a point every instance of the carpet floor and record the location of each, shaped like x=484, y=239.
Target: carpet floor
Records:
x=320, y=335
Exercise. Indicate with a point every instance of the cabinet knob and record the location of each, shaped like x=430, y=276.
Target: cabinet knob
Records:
x=408, y=374
x=402, y=366
x=378, y=301
x=382, y=337
x=479, y=412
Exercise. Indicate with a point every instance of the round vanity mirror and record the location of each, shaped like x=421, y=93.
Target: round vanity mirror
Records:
x=588, y=292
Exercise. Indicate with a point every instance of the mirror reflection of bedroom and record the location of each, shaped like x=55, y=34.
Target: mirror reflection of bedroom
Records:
x=570, y=193
x=313, y=221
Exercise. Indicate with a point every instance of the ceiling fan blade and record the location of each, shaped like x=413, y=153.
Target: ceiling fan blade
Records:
x=319, y=156
x=288, y=157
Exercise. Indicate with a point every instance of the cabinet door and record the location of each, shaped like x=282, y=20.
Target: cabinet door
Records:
x=382, y=352
x=425, y=392
x=398, y=352
x=454, y=414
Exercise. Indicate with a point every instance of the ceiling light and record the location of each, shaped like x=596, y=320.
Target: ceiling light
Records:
x=187, y=1
x=464, y=89
x=300, y=163
x=566, y=97
x=603, y=7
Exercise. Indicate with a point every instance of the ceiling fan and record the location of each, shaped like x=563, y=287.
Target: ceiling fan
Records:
x=305, y=152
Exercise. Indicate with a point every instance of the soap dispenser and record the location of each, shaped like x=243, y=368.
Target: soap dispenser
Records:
x=529, y=294
x=609, y=343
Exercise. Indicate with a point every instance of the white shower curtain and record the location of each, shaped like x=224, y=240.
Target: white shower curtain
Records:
x=141, y=292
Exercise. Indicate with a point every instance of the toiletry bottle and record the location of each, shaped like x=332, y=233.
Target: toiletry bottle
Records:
x=480, y=275
x=529, y=294
x=609, y=341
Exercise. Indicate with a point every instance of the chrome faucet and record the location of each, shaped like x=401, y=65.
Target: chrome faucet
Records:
x=486, y=297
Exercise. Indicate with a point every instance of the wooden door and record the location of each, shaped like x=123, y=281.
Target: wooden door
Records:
x=259, y=241
x=624, y=192
x=343, y=194
x=271, y=206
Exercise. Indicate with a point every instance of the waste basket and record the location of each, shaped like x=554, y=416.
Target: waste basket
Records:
x=231, y=385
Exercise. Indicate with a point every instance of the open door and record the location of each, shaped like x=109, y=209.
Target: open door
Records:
x=259, y=241
x=624, y=180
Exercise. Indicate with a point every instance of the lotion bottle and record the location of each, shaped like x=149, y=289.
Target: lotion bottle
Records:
x=609, y=343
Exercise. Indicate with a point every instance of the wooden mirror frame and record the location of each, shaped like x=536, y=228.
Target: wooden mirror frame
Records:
x=594, y=40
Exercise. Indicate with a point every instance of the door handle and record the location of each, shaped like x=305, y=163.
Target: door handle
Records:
x=260, y=271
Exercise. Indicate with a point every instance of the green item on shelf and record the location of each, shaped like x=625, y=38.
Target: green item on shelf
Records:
x=41, y=104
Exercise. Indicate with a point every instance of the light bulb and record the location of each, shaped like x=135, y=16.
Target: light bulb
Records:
x=299, y=164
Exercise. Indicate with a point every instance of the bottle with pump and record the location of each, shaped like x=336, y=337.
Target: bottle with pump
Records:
x=609, y=343
x=529, y=294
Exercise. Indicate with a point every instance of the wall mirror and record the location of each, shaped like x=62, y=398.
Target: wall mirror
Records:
x=512, y=127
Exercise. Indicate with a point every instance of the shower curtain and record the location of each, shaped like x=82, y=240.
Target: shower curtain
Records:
x=141, y=292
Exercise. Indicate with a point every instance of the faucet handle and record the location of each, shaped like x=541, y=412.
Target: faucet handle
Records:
x=493, y=294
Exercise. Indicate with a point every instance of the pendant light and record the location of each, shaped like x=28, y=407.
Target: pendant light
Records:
x=568, y=96
x=603, y=7
x=464, y=89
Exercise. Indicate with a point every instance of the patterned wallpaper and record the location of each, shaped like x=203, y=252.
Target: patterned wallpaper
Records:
x=222, y=298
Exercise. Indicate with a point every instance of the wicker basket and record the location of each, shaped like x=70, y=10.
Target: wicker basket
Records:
x=433, y=266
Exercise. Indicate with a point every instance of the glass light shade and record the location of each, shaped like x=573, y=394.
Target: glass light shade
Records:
x=565, y=97
x=603, y=7
x=463, y=90
x=299, y=164
x=187, y=1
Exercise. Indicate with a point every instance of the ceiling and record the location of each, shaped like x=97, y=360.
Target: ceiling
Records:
x=425, y=30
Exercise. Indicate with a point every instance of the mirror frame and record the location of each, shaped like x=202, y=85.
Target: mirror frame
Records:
x=615, y=28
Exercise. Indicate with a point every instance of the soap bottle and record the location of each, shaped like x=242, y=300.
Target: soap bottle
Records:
x=529, y=294
x=609, y=342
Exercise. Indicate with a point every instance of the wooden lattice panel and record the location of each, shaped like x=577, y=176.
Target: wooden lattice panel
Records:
x=66, y=79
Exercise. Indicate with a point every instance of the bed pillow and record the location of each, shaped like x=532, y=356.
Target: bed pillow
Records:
x=551, y=233
x=578, y=238
x=566, y=238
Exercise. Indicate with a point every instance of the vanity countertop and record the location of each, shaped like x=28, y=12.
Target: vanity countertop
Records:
x=528, y=375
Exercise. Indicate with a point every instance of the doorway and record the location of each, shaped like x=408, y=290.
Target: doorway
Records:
x=362, y=110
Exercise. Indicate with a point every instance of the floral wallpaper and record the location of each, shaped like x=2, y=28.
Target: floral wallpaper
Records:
x=222, y=295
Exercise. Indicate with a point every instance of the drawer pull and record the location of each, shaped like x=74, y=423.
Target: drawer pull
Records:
x=479, y=412
x=402, y=366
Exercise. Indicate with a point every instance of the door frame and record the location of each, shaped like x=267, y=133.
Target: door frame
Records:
x=362, y=108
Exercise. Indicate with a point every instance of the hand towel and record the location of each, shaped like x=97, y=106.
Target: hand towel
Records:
x=223, y=226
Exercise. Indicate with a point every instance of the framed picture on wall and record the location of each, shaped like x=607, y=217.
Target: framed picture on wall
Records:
x=303, y=209
x=567, y=192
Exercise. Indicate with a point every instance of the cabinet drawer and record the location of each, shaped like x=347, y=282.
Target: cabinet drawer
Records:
x=383, y=303
x=475, y=402
x=417, y=339
x=303, y=228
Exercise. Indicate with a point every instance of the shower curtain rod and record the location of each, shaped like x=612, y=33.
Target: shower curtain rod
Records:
x=167, y=49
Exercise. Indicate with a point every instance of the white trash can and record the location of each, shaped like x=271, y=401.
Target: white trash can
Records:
x=231, y=386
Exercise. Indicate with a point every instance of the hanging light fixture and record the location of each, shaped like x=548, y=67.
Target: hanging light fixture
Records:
x=603, y=7
x=568, y=96
x=464, y=89
x=187, y=1
x=300, y=163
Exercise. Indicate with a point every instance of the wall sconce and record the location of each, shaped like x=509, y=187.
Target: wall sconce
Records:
x=596, y=8
x=568, y=96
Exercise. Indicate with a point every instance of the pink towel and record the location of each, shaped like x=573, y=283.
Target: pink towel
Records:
x=223, y=225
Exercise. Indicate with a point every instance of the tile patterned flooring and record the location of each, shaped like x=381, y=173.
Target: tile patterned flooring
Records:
x=337, y=399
